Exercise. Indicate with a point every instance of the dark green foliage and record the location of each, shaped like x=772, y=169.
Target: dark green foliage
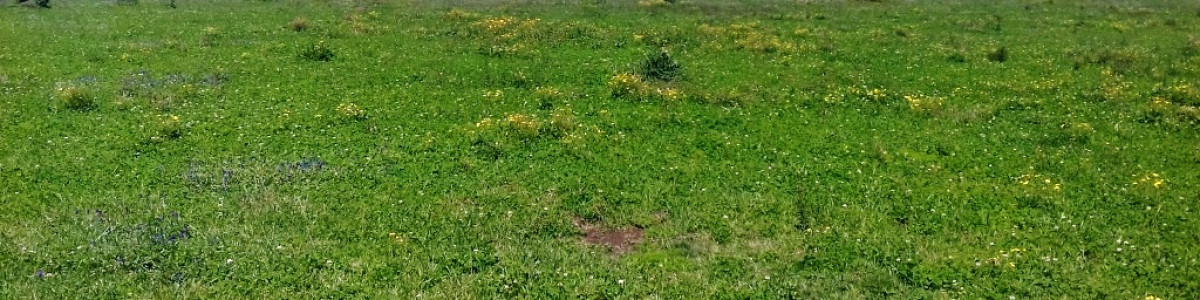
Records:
x=660, y=67
x=317, y=52
x=999, y=55
x=956, y=57
x=38, y=3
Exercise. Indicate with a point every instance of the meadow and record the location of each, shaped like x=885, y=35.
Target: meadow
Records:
x=693, y=149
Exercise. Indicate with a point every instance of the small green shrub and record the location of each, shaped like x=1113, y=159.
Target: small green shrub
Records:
x=317, y=52
x=660, y=67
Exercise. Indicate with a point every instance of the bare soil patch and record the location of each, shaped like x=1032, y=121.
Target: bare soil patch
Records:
x=617, y=240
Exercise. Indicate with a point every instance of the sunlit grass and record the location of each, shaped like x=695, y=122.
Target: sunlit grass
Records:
x=600, y=149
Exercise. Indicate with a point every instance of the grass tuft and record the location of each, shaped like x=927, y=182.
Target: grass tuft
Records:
x=660, y=66
x=298, y=24
x=318, y=51
x=75, y=98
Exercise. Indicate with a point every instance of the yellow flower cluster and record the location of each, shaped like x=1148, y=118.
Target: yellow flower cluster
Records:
x=876, y=94
x=1037, y=180
x=857, y=93
x=626, y=84
x=1114, y=90
x=494, y=94
x=351, y=111
x=168, y=127
x=397, y=237
x=825, y=230
x=1178, y=100
x=924, y=104
x=363, y=23
x=1183, y=92
x=1159, y=103
x=524, y=124
x=1153, y=180
x=632, y=86
x=507, y=35
x=749, y=36
x=506, y=25
x=669, y=94
x=496, y=24
x=547, y=93
x=1004, y=258
x=560, y=124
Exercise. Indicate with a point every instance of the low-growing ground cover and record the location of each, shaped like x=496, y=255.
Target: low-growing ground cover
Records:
x=600, y=149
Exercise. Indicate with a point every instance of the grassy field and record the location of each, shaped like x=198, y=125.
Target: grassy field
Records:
x=1009, y=149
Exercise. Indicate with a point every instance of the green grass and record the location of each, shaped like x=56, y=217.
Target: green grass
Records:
x=834, y=149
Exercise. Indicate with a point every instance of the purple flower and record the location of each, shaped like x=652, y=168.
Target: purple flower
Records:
x=40, y=274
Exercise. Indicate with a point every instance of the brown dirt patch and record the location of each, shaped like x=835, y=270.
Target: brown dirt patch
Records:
x=618, y=241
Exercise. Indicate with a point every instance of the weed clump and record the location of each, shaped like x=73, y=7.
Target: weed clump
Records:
x=748, y=36
x=627, y=85
x=548, y=96
x=660, y=67
x=1192, y=48
x=495, y=137
x=168, y=127
x=1119, y=61
x=956, y=58
x=502, y=36
x=360, y=23
x=526, y=126
x=459, y=14
x=1178, y=93
x=298, y=24
x=925, y=104
x=999, y=55
x=209, y=37
x=547, y=93
x=654, y=3
x=317, y=52
x=75, y=98
x=34, y=4
x=351, y=111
